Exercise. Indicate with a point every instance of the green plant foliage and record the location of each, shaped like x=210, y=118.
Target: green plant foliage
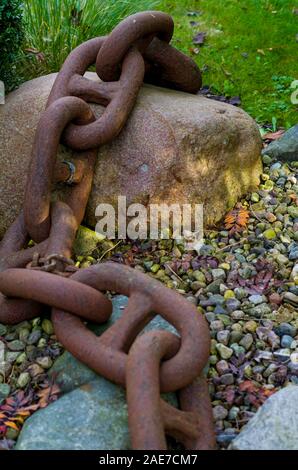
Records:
x=11, y=36
x=55, y=27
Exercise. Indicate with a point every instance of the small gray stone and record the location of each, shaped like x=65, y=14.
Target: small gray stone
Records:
x=235, y=337
x=257, y=299
x=223, y=337
x=4, y=392
x=34, y=337
x=237, y=349
x=222, y=367
x=237, y=315
x=233, y=413
x=45, y=362
x=240, y=293
x=227, y=379
x=274, y=426
x=286, y=341
x=214, y=287
x=210, y=316
x=286, y=329
x=217, y=325
x=23, y=379
x=218, y=274
x=219, y=413
x=247, y=341
x=260, y=310
x=232, y=305
x=291, y=298
x=224, y=351
x=282, y=355
x=16, y=345
x=3, y=329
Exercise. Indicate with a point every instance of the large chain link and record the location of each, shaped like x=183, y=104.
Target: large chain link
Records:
x=146, y=364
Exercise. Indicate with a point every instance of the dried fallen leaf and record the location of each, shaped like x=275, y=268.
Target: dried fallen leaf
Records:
x=236, y=219
x=273, y=135
x=199, y=38
x=11, y=424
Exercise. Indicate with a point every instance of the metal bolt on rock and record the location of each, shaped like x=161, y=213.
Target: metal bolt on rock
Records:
x=44, y=276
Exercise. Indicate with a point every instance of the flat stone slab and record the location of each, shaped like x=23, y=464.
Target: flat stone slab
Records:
x=92, y=413
x=274, y=426
x=175, y=148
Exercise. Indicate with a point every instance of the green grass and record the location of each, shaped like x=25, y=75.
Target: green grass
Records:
x=55, y=27
x=250, y=50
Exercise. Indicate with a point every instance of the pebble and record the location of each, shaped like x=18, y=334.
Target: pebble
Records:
x=282, y=355
x=4, y=392
x=251, y=326
x=260, y=310
x=269, y=234
x=210, y=316
x=235, y=337
x=23, y=379
x=227, y=379
x=47, y=326
x=3, y=329
x=217, y=325
x=16, y=345
x=286, y=329
x=247, y=341
x=199, y=276
x=232, y=305
x=254, y=197
x=223, y=337
x=224, y=351
x=294, y=358
x=34, y=337
x=233, y=413
x=237, y=350
x=45, y=362
x=218, y=274
x=219, y=412
x=286, y=341
x=281, y=259
x=222, y=367
x=291, y=298
x=240, y=293
x=237, y=315
x=257, y=299
x=229, y=294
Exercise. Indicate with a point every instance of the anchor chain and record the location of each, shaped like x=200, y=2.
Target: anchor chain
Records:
x=43, y=276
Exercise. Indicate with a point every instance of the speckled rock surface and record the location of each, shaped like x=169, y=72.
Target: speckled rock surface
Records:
x=175, y=147
x=274, y=426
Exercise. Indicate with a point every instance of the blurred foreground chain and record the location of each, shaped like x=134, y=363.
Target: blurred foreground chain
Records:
x=149, y=363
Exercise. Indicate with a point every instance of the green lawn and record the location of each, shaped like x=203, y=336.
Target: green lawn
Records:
x=250, y=50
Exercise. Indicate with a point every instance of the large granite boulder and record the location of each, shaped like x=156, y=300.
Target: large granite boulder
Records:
x=175, y=148
x=274, y=426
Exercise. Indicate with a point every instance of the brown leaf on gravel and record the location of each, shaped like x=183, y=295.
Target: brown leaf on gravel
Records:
x=236, y=219
x=273, y=135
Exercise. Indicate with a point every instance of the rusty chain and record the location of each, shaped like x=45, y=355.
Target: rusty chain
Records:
x=146, y=364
